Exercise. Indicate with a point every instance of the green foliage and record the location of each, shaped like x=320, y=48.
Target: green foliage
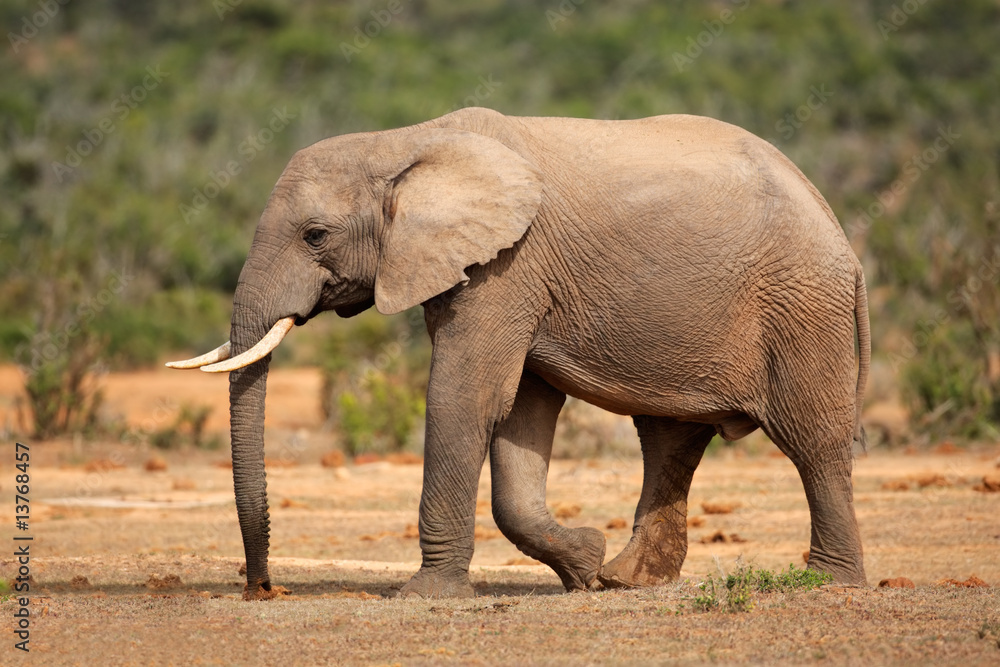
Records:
x=61, y=363
x=380, y=414
x=62, y=396
x=188, y=428
x=375, y=381
x=766, y=581
x=740, y=588
x=585, y=432
x=708, y=599
x=156, y=193
x=946, y=385
x=737, y=592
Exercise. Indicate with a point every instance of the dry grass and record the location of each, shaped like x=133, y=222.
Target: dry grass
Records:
x=137, y=567
x=155, y=585
x=346, y=615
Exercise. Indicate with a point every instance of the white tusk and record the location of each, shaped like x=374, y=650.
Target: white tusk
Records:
x=258, y=351
x=220, y=353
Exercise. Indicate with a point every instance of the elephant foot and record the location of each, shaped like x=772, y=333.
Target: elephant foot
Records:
x=428, y=583
x=845, y=571
x=638, y=567
x=618, y=574
x=263, y=591
x=575, y=554
x=584, y=551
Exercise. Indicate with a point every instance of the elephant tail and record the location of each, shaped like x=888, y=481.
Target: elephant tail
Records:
x=864, y=353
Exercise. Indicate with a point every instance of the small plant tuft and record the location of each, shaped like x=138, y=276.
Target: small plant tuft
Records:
x=736, y=592
x=709, y=598
x=740, y=588
x=796, y=579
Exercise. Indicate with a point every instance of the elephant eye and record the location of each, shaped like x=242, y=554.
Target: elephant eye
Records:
x=315, y=237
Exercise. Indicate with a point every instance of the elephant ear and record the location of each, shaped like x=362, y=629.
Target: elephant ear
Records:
x=458, y=199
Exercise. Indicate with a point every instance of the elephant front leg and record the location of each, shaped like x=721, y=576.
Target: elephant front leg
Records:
x=466, y=397
x=519, y=464
x=671, y=451
x=452, y=464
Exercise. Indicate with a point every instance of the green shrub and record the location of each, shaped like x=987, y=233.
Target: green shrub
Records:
x=375, y=381
x=61, y=384
x=947, y=388
x=766, y=581
x=380, y=414
x=188, y=428
x=737, y=592
x=708, y=599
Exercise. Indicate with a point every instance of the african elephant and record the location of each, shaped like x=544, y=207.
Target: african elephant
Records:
x=676, y=268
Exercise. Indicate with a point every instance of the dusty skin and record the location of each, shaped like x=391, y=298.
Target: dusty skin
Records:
x=141, y=567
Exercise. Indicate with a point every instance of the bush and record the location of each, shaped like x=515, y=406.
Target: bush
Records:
x=61, y=385
x=584, y=430
x=380, y=414
x=188, y=428
x=375, y=373
x=947, y=386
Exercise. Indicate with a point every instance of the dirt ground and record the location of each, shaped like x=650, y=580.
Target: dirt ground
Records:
x=136, y=566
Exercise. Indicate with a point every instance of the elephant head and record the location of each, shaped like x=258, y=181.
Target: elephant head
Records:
x=389, y=219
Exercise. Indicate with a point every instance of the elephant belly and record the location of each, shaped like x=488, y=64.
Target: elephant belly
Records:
x=667, y=387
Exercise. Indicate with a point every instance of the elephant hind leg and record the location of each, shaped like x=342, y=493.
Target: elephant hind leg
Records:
x=823, y=457
x=671, y=450
x=519, y=464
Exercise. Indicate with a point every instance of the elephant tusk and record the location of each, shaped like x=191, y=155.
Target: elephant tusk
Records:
x=258, y=351
x=220, y=353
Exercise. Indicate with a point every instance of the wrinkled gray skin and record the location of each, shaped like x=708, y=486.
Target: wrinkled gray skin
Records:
x=674, y=268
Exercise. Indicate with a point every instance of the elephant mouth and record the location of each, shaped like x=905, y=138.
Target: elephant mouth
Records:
x=302, y=319
x=352, y=309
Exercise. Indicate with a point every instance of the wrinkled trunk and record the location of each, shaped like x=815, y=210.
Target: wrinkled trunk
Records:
x=247, y=388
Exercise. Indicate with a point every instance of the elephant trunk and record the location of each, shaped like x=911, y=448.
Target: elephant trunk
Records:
x=247, y=388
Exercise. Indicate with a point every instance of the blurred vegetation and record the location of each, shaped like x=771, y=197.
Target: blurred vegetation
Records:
x=375, y=382
x=63, y=392
x=141, y=140
x=188, y=428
